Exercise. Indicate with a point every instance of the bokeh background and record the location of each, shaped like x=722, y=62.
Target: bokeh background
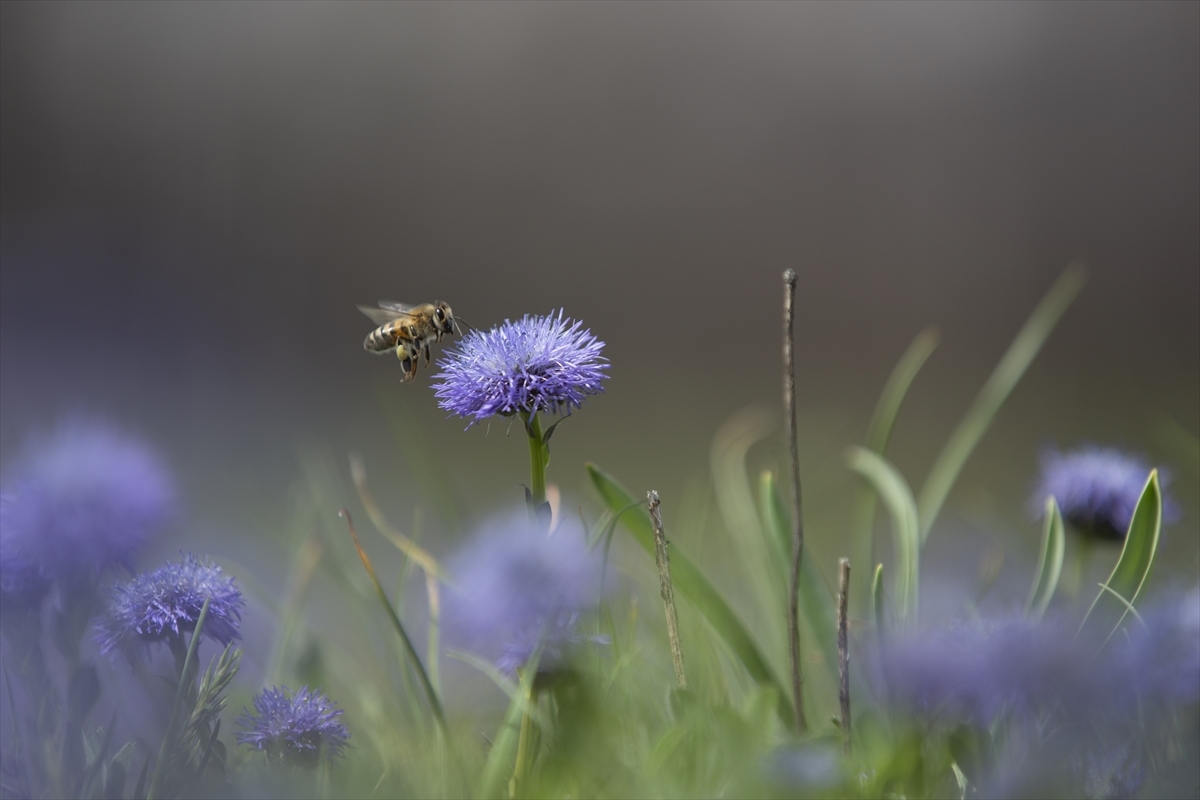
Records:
x=195, y=197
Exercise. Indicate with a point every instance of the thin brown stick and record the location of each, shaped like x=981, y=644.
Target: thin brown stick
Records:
x=789, y=422
x=843, y=646
x=663, y=560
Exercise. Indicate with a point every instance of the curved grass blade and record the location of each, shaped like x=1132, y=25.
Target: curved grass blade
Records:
x=735, y=501
x=892, y=487
x=1049, y=563
x=1125, y=603
x=896, y=388
x=878, y=433
x=693, y=585
x=412, y=550
x=434, y=703
x=1004, y=377
x=1133, y=566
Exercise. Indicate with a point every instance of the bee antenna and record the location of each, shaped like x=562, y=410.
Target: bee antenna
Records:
x=464, y=322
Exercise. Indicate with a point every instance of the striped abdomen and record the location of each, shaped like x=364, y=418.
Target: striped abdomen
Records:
x=386, y=337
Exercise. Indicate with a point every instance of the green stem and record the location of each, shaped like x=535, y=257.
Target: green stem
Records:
x=538, y=457
x=1078, y=566
x=160, y=767
x=524, y=747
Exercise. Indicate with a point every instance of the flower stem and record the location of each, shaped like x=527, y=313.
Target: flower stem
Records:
x=538, y=457
x=789, y=421
x=843, y=646
x=185, y=680
x=521, y=772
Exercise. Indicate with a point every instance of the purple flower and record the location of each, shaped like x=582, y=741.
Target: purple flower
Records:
x=23, y=584
x=513, y=588
x=1161, y=659
x=85, y=498
x=978, y=671
x=1097, y=488
x=534, y=364
x=294, y=728
x=163, y=604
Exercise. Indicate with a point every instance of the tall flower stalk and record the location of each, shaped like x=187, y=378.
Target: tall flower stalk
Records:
x=535, y=364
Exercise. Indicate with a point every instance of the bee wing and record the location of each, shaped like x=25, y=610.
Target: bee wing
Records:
x=397, y=308
x=379, y=316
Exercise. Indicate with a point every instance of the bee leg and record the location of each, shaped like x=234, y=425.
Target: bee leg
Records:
x=427, y=354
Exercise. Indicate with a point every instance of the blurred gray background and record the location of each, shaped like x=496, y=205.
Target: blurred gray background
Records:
x=194, y=198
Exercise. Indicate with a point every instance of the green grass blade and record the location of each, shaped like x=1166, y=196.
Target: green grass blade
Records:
x=1133, y=566
x=435, y=704
x=736, y=502
x=878, y=433
x=693, y=585
x=878, y=617
x=818, y=616
x=893, y=489
x=979, y=417
x=816, y=602
x=503, y=753
x=776, y=520
x=502, y=758
x=1049, y=563
x=896, y=388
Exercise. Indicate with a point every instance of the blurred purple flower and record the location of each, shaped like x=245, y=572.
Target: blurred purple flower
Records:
x=534, y=364
x=23, y=584
x=85, y=498
x=978, y=671
x=1097, y=488
x=294, y=728
x=515, y=587
x=163, y=604
x=1162, y=658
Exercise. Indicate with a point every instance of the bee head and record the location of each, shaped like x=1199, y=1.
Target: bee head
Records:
x=443, y=317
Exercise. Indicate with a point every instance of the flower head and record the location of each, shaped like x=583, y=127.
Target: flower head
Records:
x=1096, y=488
x=978, y=671
x=167, y=602
x=1161, y=658
x=294, y=728
x=515, y=588
x=85, y=498
x=534, y=364
x=23, y=584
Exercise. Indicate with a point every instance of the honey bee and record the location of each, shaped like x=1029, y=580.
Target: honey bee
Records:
x=408, y=330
